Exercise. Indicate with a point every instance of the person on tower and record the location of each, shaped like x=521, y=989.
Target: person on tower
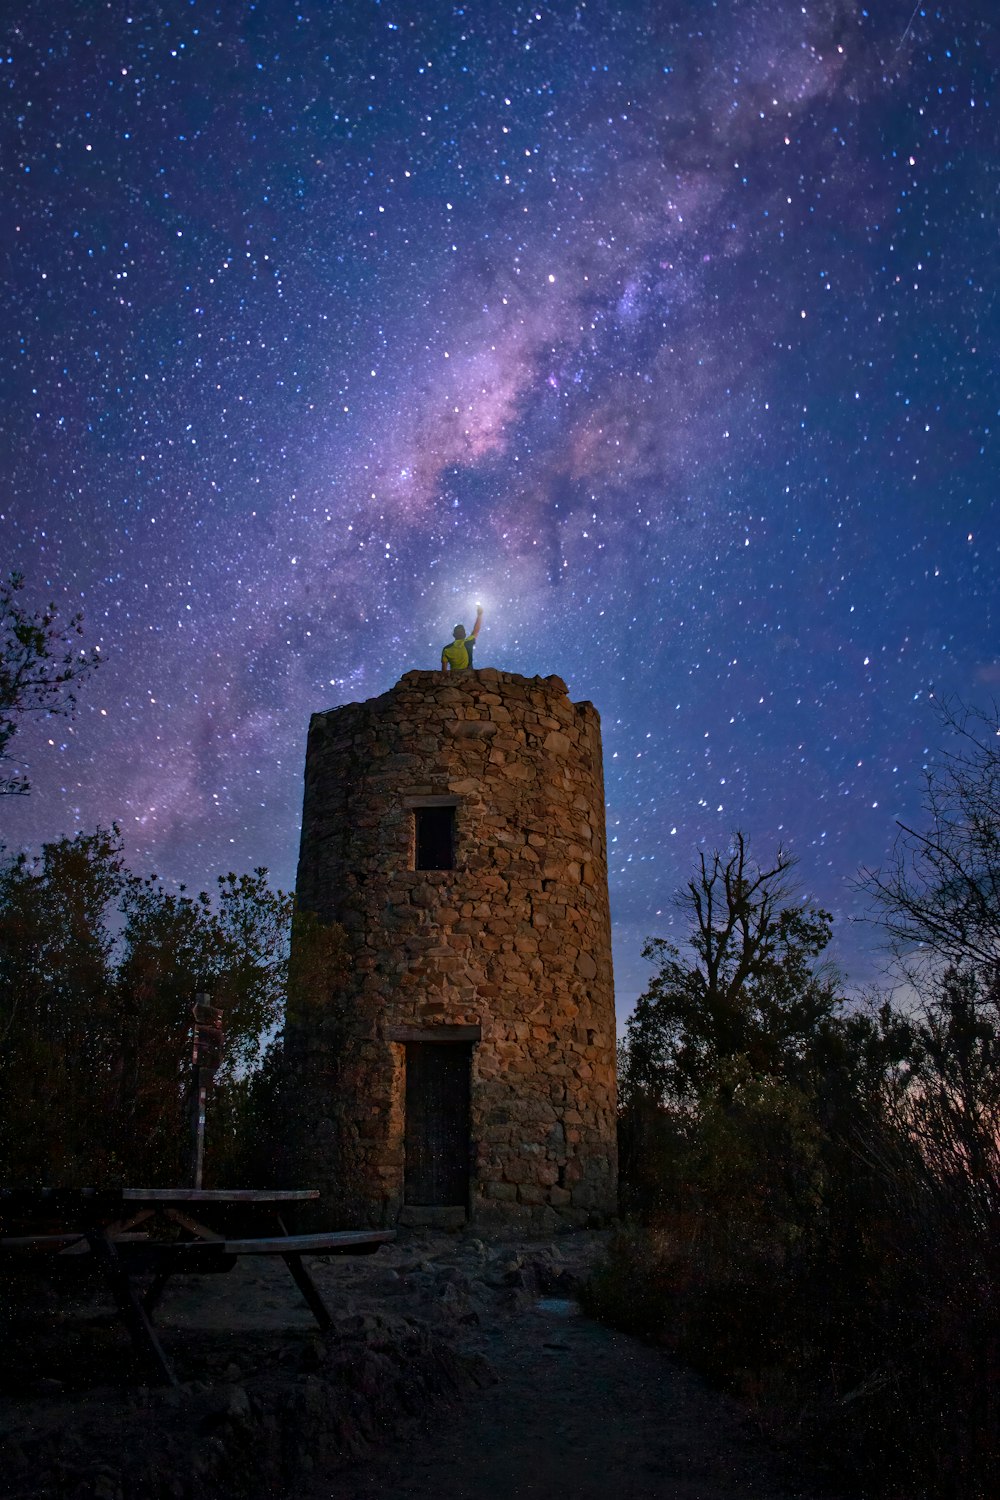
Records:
x=457, y=655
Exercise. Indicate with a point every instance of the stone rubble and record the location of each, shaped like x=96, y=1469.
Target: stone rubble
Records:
x=260, y=1409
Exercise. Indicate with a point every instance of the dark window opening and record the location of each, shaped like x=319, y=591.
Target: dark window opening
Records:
x=435, y=838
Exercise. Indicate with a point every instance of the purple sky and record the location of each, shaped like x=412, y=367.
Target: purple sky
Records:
x=668, y=329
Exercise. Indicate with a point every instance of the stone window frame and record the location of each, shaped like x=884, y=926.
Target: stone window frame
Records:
x=436, y=1032
x=413, y=804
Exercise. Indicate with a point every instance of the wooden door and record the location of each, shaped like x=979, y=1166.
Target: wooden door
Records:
x=437, y=1123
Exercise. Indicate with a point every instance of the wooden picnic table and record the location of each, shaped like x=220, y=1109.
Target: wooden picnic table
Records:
x=121, y=1232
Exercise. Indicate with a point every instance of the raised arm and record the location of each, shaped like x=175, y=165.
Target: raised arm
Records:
x=479, y=620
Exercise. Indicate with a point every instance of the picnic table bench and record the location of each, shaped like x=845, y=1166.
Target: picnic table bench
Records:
x=101, y=1226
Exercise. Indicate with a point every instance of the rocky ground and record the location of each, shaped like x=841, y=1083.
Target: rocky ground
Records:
x=455, y=1369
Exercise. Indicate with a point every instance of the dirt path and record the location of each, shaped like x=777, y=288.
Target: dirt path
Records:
x=576, y=1411
x=579, y=1413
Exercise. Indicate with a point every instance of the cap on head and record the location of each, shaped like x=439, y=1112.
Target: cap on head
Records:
x=459, y=632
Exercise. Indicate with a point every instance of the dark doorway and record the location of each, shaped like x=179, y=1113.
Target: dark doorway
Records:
x=434, y=838
x=437, y=1123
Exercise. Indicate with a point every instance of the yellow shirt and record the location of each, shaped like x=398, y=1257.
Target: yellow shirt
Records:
x=457, y=654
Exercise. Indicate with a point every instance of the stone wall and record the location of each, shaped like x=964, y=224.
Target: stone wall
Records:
x=512, y=945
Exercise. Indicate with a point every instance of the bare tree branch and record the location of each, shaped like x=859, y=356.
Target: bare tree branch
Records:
x=939, y=897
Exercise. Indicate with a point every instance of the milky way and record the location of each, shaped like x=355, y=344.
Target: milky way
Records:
x=667, y=329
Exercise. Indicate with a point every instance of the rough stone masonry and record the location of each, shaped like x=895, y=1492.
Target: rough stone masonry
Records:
x=465, y=1069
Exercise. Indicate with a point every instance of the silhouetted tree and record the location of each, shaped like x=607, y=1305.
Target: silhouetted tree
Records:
x=97, y=968
x=40, y=667
x=939, y=897
x=953, y=1106
x=748, y=987
x=808, y=1176
x=939, y=902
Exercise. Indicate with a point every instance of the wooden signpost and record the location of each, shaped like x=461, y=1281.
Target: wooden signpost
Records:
x=206, y=1056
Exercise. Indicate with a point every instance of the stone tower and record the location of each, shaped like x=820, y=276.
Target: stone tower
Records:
x=465, y=1070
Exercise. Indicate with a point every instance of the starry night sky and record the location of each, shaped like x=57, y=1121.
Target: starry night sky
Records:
x=668, y=329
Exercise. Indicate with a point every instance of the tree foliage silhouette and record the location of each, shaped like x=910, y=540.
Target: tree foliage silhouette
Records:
x=748, y=987
x=41, y=665
x=97, y=971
